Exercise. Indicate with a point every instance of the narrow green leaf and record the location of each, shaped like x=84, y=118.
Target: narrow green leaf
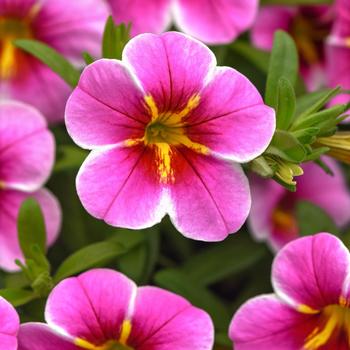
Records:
x=295, y=2
x=88, y=257
x=262, y=167
x=88, y=58
x=17, y=296
x=285, y=104
x=51, y=58
x=306, y=136
x=283, y=63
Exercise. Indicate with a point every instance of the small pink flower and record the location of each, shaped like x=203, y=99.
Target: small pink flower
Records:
x=69, y=26
x=273, y=216
x=214, y=22
x=310, y=309
x=104, y=310
x=308, y=25
x=9, y=326
x=165, y=125
x=26, y=158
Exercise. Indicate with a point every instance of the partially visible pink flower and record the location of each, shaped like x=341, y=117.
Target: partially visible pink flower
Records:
x=26, y=157
x=308, y=25
x=69, y=26
x=273, y=216
x=214, y=22
x=310, y=309
x=104, y=310
x=165, y=126
x=9, y=325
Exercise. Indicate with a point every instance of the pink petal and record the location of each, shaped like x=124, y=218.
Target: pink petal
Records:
x=171, y=67
x=106, y=107
x=10, y=202
x=215, y=22
x=166, y=321
x=9, y=324
x=26, y=147
x=232, y=119
x=151, y=16
x=92, y=306
x=120, y=186
x=265, y=323
x=210, y=197
x=311, y=271
x=39, y=336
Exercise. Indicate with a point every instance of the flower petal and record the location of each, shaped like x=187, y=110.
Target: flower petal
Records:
x=215, y=22
x=9, y=325
x=26, y=147
x=264, y=322
x=311, y=271
x=91, y=306
x=39, y=336
x=151, y=16
x=210, y=197
x=172, y=67
x=120, y=186
x=169, y=323
x=232, y=119
x=107, y=107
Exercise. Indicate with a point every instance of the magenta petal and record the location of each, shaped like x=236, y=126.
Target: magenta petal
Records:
x=26, y=147
x=107, y=107
x=311, y=271
x=129, y=194
x=210, y=197
x=91, y=306
x=10, y=202
x=166, y=321
x=232, y=119
x=265, y=323
x=151, y=16
x=215, y=22
x=172, y=67
x=39, y=336
x=9, y=324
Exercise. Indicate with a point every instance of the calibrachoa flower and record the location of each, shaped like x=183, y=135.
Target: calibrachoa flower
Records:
x=70, y=27
x=308, y=25
x=26, y=158
x=9, y=325
x=214, y=22
x=310, y=309
x=273, y=216
x=104, y=310
x=165, y=125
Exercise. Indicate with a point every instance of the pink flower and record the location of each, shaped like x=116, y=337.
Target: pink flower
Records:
x=273, y=216
x=310, y=308
x=214, y=22
x=9, y=325
x=165, y=125
x=104, y=310
x=26, y=158
x=70, y=27
x=308, y=25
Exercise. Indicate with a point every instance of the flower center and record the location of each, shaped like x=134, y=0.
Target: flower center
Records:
x=335, y=320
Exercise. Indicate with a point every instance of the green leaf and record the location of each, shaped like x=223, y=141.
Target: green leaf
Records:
x=51, y=58
x=88, y=58
x=262, y=167
x=313, y=219
x=285, y=104
x=88, y=257
x=306, y=136
x=178, y=282
x=17, y=296
x=283, y=63
x=295, y=2
x=69, y=157
x=31, y=228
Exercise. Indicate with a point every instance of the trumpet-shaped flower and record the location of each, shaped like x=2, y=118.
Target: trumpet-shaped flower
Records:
x=214, y=22
x=165, y=125
x=104, y=310
x=273, y=214
x=310, y=309
x=308, y=25
x=26, y=158
x=9, y=325
x=70, y=27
